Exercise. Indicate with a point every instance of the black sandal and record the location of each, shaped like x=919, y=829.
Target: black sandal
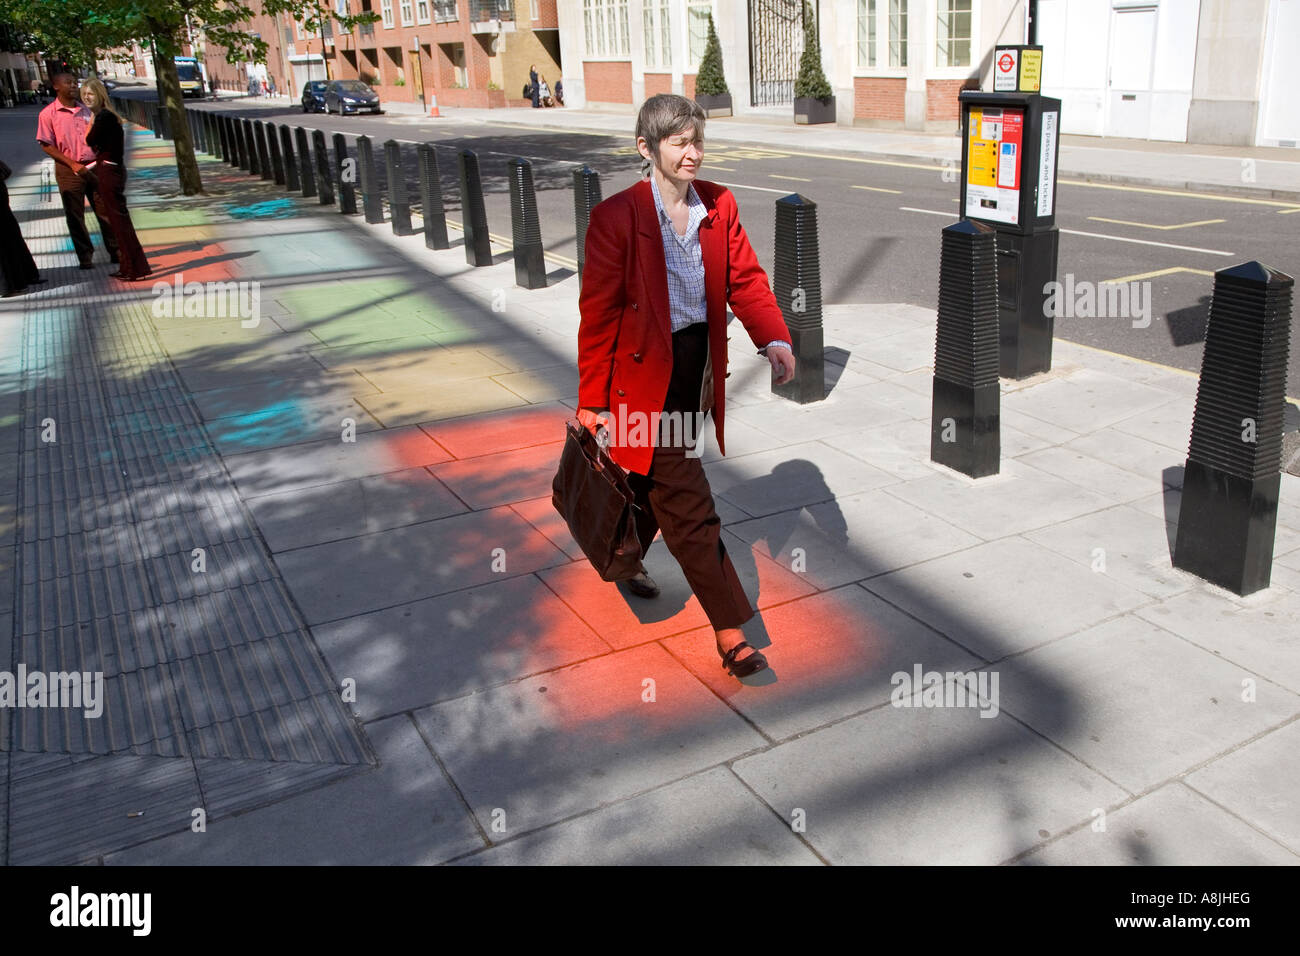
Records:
x=752, y=664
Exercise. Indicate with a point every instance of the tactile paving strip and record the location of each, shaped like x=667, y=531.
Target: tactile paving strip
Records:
x=213, y=693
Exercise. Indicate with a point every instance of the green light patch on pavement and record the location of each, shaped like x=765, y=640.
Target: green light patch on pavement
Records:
x=166, y=218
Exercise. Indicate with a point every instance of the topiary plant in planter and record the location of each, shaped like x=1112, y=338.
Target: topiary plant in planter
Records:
x=813, y=101
x=710, y=85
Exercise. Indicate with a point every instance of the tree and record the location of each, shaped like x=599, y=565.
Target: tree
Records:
x=163, y=27
x=811, y=81
x=709, y=81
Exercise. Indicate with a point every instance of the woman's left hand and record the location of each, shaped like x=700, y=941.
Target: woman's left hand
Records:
x=782, y=360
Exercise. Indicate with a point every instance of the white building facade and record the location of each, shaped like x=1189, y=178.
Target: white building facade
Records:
x=1210, y=71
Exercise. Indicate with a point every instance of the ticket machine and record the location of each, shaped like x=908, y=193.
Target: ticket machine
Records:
x=1009, y=150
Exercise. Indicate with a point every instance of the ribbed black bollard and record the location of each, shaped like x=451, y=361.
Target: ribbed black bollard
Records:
x=241, y=143
x=197, y=131
x=290, y=162
x=1228, y=516
x=435, y=217
x=478, y=245
x=232, y=139
x=345, y=172
x=223, y=137
x=586, y=195
x=526, y=227
x=250, y=137
x=209, y=133
x=370, y=200
x=263, y=153
x=797, y=283
x=324, y=178
x=155, y=120
x=192, y=122
x=399, y=200
x=305, y=174
x=965, y=430
x=273, y=147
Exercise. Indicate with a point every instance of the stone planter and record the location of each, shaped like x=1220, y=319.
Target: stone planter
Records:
x=809, y=111
x=718, y=104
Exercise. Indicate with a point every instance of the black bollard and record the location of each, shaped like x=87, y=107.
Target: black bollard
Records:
x=250, y=138
x=324, y=179
x=1228, y=516
x=478, y=245
x=965, y=431
x=155, y=120
x=191, y=120
x=241, y=143
x=797, y=283
x=223, y=137
x=263, y=153
x=399, y=200
x=305, y=174
x=370, y=200
x=290, y=163
x=586, y=195
x=345, y=171
x=435, y=217
x=232, y=139
x=526, y=227
x=273, y=148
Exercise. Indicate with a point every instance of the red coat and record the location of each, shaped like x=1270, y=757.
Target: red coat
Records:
x=625, y=351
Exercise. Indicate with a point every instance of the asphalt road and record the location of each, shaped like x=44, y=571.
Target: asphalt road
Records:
x=879, y=222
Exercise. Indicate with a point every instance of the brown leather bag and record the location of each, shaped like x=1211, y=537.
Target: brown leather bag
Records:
x=592, y=494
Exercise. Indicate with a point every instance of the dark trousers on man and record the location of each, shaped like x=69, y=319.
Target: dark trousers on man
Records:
x=675, y=497
x=75, y=191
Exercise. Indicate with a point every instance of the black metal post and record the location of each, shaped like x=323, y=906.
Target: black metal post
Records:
x=965, y=420
x=797, y=283
x=399, y=200
x=232, y=137
x=241, y=140
x=157, y=122
x=478, y=245
x=250, y=137
x=345, y=171
x=273, y=147
x=526, y=227
x=263, y=153
x=324, y=179
x=435, y=217
x=1228, y=515
x=586, y=195
x=290, y=163
x=305, y=174
x=370, y=200
x=223, y=136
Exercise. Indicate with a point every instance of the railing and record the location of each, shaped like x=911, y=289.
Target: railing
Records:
x=481, y=11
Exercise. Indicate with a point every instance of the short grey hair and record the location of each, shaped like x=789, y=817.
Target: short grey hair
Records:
x=664, y=115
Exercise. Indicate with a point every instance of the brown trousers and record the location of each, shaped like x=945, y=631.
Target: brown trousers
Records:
x=675, y=498
x=75, y=190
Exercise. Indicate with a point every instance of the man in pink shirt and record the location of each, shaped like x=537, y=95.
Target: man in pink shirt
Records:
x=61, y=131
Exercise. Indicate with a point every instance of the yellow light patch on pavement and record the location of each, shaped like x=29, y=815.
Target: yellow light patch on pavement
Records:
x=168, y=234
x=1152, y=225
x=1138, y=277
x=881, y=189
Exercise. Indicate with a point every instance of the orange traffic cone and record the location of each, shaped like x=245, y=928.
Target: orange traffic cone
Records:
x=434, y=110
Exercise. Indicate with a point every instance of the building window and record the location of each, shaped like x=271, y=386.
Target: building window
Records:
x=953, y=33
x=444, y=11
x=867, y=33
x=535, y=11
x=422, y=11
x=605, y=25
x=697, y=16
x=898, y=33
x=341, y=7
x=408, y=14
x=658, y=34
x=386, y=12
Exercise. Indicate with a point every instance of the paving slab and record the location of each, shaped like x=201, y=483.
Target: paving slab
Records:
x=1005, y=596
x=506, y=430
x=706, y=816
x=403, y=813
x=503, y=477
x=413, y=406
x=913, y=785
x=1174, y=826
x=796, y=475
x=1086, y=400
x=1258, y=783
x=542, y=749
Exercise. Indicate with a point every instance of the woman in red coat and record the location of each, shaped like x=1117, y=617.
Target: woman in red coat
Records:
x=105, y=138
x=663, y=259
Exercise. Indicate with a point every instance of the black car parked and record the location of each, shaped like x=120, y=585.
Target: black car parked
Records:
x=313, y=96
x=351, y=96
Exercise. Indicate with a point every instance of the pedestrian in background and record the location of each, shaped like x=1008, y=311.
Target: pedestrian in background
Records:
x=105, y=138
x=61, y=130
x=532, y=79
x=559, y=92
x=544, y=92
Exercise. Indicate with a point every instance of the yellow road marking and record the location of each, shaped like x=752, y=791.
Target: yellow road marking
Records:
x=509, y=244
x=1151, y=275
x=1150, y=225
x=1284, y=212
x=798, y=179
x=1170, y=192
x=879, y=189
x=723, y=169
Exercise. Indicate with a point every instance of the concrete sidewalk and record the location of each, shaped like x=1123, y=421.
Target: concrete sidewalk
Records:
x=367, y=469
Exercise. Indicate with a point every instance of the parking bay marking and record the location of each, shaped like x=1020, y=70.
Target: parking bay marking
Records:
x=1151, y=225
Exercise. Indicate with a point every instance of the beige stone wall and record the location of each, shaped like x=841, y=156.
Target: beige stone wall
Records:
x=523, y=48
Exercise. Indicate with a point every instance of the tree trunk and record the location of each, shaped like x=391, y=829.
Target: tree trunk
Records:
x=169, y=91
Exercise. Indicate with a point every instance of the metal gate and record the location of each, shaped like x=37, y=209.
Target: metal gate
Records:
x=775, y=45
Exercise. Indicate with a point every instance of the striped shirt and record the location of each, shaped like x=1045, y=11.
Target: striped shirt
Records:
x=685, y=261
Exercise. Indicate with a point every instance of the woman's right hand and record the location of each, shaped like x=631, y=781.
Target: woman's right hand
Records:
x=593, y=421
